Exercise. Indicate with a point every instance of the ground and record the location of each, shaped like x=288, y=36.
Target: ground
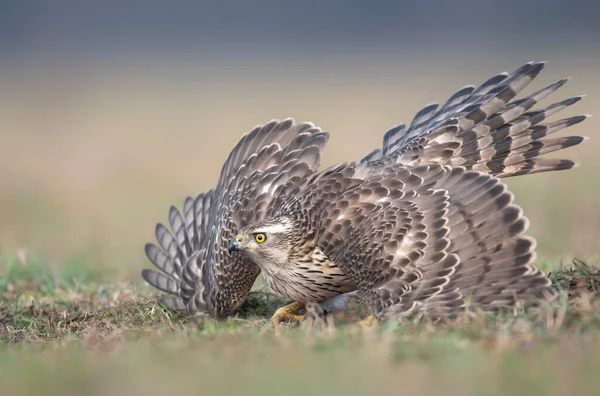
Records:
x=102, y=335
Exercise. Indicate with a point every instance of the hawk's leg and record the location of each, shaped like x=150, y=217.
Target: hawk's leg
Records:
x=288, y=313
x=338, y=303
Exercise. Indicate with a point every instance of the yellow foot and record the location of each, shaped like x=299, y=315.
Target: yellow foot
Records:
x=367, y=322
x=288, y=313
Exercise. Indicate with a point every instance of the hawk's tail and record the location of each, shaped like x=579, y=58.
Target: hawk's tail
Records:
x=510, y=142
x=484, y=129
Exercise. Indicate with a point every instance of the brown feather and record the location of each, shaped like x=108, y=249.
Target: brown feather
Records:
x=193, y=259
x=479, y=128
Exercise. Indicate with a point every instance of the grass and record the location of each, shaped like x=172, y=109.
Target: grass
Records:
x=101, y=335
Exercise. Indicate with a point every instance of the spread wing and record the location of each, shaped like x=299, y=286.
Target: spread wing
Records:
x=484, y=129
x=430, y=237
x=194, y=266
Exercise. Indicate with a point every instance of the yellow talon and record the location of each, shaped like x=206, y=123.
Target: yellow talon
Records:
x=288, y=313
x=367, y=322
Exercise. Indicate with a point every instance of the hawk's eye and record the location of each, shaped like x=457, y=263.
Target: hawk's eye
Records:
x=260, y=237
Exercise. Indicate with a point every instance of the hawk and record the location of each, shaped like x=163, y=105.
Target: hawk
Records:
x=422, y=224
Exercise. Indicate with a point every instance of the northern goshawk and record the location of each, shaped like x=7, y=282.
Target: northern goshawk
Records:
x=422, y=224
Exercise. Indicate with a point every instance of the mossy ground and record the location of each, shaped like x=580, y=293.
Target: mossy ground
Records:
x=96, y=334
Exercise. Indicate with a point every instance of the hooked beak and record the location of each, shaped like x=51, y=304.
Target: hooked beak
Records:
x=234, y=244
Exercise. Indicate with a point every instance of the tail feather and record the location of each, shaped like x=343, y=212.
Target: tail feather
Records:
x=392, y=139
x=457, y=98
x=509, y=145
x=423, y=115
x=538, y=165
x=491, y=82
x=374, y=155
x=512, y=86
x=475, y=146
x=509, y=114
x=533, y=149
x=480, y=128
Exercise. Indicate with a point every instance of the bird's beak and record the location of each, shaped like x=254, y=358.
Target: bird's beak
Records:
x=235, y=244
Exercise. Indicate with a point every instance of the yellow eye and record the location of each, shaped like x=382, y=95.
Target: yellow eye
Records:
x=260, y=238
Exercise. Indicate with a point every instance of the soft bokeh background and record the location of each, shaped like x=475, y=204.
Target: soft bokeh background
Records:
x=112, y=111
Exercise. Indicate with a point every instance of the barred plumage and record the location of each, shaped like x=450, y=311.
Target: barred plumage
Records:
x=421, y=224
x=480, y=129
x=196, y=268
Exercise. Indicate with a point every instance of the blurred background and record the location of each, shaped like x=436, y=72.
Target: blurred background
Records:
x=110, y=111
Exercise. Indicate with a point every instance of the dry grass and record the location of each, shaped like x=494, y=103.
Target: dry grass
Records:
x=105, y=336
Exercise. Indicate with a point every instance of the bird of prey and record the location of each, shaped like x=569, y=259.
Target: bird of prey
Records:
x=422, y=224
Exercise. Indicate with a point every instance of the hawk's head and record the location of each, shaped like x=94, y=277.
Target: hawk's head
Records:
x=266, y=242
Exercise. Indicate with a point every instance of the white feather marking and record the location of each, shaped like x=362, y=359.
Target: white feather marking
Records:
x=266, y=188
x=404, y=247
x=274, y=229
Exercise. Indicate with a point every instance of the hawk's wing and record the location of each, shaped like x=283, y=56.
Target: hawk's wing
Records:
x=484, y=129
x=195, y=267
x=427, y=236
